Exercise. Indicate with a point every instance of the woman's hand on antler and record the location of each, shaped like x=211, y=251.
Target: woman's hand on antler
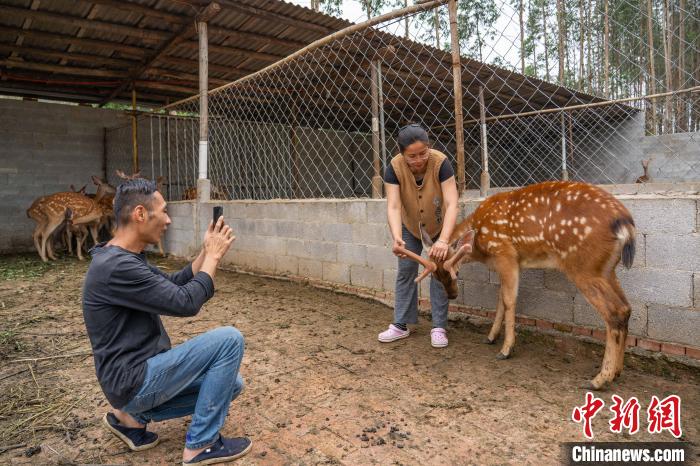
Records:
x=398, y=246
x=438, y=251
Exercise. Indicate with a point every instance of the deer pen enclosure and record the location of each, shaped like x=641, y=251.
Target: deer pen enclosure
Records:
x=590, y=100
x=514, y=93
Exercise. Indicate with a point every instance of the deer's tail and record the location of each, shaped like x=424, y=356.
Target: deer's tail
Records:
x=624, y=230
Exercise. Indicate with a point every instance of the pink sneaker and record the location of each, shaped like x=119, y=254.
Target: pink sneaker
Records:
x=392, y=334
x=438, y=337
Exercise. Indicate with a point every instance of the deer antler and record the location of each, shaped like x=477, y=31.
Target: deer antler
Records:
x=124, y=176
x=452, y=264
x=429, y=265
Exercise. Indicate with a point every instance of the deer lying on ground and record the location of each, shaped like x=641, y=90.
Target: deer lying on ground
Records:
x=576, y=228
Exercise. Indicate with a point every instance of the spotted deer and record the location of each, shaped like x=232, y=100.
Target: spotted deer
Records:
x=52, y=211
x=217, y=193
x=645, y=178
x=577, y=228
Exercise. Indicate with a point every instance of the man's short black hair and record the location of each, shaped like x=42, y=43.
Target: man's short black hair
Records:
x=130, y=194
x=410, y=134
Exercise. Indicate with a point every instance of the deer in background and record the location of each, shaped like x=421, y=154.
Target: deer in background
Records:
x=216, y=193
x=645, y=178
x=576, y=228
x=75, y=210
x=53, y=210
x=104, y=197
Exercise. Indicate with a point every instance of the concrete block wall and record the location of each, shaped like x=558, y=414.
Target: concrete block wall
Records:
x=44, y=148
x=180, y=237
x=346, y=244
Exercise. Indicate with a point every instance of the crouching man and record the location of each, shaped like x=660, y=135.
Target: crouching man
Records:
x=143, y=378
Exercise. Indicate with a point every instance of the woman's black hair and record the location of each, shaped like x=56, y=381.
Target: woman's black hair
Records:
x=410, y=134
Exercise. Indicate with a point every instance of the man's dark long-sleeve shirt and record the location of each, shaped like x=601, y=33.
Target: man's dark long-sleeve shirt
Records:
x=123, y=297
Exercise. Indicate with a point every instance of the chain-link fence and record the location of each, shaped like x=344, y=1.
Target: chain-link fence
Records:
x=167, y=151
x=611, y=85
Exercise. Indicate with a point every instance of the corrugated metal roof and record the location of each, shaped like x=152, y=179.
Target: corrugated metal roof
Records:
x=91, y=50
x=84, y=50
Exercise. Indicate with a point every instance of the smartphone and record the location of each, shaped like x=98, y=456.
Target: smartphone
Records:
x=218, y=212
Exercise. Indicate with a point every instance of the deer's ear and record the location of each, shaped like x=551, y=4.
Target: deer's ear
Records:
x=467, y=238
x=427, y=242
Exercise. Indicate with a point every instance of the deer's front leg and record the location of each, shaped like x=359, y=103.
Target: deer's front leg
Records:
x=509, y=272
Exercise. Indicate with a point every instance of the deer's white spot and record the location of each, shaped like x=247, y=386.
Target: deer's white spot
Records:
x=575, y=230
x=587, y=231
x=484, y=230
x=558, y=208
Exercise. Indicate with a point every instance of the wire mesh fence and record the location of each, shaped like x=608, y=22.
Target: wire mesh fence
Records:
x=611, y=89
x=167, y=149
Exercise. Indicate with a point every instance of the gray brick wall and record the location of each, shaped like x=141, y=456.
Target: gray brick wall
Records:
x=347, y=242
x=44, y=148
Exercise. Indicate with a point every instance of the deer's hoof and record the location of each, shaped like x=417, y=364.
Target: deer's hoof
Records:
x=591, y=385
x=487, y=341
x=502, y=357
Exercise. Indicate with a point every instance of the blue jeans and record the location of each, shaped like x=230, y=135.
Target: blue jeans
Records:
x=406, y=291
x=199, y=378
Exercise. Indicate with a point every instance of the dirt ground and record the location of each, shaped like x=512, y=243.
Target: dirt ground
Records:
x=320, y=388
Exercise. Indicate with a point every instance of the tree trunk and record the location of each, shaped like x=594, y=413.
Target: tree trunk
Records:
x=437, y=29
x=582, y=28
x=590, y=48
x=606, y=50
x=651, y=87
x=681, y=112
x=522, y=38
x=668, y=72
x=562, y=39
x=546, y=44
x=405, y=4
x=478, y=40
